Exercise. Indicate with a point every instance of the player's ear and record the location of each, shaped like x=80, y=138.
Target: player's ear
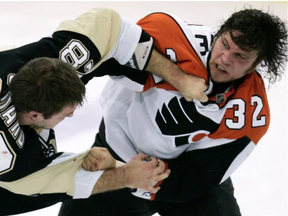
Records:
x=35, y=116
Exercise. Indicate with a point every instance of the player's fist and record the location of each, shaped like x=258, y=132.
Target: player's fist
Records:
x=192, y=87
x=98, y=159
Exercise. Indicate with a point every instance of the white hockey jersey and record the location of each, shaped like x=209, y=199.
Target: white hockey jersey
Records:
x=160, y=123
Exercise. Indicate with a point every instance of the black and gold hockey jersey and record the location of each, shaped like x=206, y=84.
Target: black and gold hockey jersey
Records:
x=210, y=140
x=29, y=162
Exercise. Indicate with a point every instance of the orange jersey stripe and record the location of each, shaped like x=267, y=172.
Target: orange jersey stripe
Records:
x=167, y=35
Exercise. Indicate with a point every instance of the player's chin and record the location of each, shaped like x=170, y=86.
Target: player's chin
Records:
x=51, y=126
x=48, y=127
x=221, y=77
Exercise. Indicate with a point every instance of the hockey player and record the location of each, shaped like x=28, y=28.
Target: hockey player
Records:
x=32, y=174
x=203, y=143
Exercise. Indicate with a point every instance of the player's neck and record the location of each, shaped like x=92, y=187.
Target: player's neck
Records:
x=23, y=118
x=219, y=88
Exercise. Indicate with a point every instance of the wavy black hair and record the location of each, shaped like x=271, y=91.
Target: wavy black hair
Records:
x=263, y=32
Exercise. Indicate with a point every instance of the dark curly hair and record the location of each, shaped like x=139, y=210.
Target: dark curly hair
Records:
x=263, y=32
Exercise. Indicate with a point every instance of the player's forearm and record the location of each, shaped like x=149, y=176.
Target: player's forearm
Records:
x=190, y=86
x=113, y=179
x=137, y=173
x=163, y=67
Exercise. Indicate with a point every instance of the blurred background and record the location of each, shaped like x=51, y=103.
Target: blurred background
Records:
x=261, y=181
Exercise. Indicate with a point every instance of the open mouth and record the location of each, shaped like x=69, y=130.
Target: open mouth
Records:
x=219, y=68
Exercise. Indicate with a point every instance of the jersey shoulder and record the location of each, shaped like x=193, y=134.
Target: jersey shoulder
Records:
x=169, y=31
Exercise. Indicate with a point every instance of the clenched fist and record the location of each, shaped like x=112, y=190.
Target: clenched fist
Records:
x=191, y=87
x=98, y=159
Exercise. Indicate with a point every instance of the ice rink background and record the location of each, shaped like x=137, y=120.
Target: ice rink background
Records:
x=261, y=181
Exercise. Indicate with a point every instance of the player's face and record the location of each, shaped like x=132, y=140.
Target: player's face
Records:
x=56, y=118
x=228, y=62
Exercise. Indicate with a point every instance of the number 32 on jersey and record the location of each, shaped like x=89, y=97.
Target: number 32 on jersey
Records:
x=239, y=111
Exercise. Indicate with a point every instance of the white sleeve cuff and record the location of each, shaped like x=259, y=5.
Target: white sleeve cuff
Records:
x=84, y=183
x=127, y=41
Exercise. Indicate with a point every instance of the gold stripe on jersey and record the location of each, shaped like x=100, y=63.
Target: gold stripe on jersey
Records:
x=5, y=48
x=101, y=26
x=58, y=178
x=7, y=155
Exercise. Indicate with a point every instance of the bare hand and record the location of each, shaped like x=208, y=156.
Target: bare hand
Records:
x=142, y=174
x=192, y=87
x=98, y=159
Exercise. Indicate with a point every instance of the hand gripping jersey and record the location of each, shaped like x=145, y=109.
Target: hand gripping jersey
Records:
x=210, y=140
x=29, y=162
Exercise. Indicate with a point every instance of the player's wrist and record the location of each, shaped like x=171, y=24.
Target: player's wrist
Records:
x=123, y=175
x=119, y=164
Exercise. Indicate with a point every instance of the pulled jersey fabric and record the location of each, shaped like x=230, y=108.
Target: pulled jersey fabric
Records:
x=203, y=143
x=29, y=162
